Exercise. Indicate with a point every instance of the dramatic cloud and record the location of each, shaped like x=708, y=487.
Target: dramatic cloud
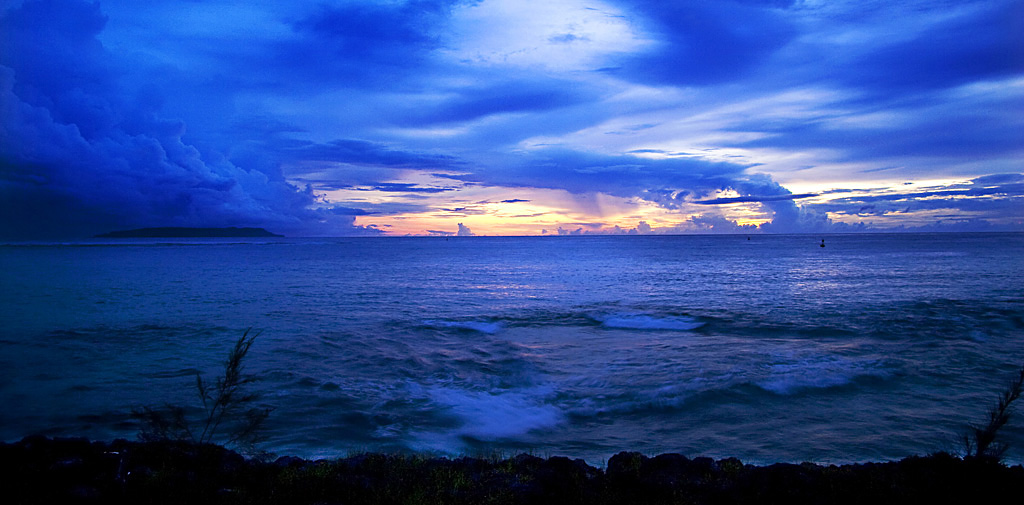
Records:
x=998, y=198
x=517, y=96
x=81, y=155
x=973, y=41
x=347, y=117
x=704, y=43
x=619, y=175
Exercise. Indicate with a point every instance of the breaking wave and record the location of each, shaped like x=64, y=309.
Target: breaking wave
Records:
x=649, y=322
x=487, y=327
x=788, y=375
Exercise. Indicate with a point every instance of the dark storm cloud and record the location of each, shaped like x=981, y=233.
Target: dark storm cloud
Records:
x=514, y=96
x=338, y=164
x=364, y=30
x=987, y=43
x=619, y=175
x=80, y=155
x=927, y=128
x=363, y=43
x=360, y=152
x=703, y=43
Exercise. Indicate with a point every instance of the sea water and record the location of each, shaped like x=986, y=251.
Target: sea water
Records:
x=767, y=348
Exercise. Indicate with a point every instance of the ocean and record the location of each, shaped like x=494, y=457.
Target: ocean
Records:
x=769, y=348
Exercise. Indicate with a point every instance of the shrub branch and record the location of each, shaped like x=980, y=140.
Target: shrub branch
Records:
x=225, y=403
x=981, y=441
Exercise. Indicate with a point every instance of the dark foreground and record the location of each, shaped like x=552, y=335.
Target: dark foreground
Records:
x=42, y=470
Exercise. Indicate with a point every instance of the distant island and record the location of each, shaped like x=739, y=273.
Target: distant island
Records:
x=182, y=232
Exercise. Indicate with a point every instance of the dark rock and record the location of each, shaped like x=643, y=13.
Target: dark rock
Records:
x=626, y=464
x=527, y=460
x=41, y=470
x=290, y=461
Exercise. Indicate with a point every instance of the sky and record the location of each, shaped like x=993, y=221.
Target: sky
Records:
x=511, y=117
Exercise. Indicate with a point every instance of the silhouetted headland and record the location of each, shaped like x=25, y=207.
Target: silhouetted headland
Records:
x=183, y=232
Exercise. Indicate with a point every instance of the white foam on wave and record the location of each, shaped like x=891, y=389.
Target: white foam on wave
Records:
x=649, y=322
x=488, y=415
x=815, y=372
x=482, y=326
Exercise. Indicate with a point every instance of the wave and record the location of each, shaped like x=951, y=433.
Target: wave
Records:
x=816, y=372
x=487, y=327
x=501, y=414
x=648, y=322
x=173, y=374
x=613, y=316
x=468, y=416
x=657, y=402
x=781, y=375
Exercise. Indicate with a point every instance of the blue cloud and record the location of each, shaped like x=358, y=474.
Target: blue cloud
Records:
x=396, y=187
x=360, y=30
x=513, y=96
x=932, y=129
x=119, y=118
x=753, y=198
x=704, y=43
x=988, y=199
x=619, y=175
x=361, y=43
x=987, y=43
x=79, y=156
x=360, y=152
x=1002, y=185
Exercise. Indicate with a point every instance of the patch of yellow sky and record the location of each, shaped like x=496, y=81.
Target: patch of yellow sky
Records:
x=497, y=210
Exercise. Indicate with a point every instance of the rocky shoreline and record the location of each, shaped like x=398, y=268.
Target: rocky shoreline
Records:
x=43, y=470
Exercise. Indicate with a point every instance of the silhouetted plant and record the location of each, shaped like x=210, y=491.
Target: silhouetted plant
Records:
x=980, y=442
x=226, y=415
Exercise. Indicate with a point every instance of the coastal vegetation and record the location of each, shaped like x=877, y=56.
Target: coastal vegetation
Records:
x=225, y=415
x=181, y=457
x=981, y=441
